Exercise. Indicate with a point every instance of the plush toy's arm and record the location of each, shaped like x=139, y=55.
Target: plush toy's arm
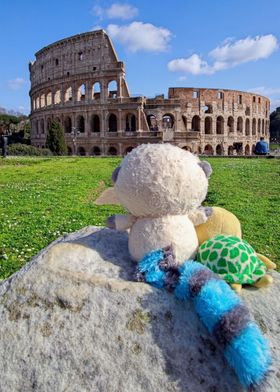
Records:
x=200, y=215
x=120, y=222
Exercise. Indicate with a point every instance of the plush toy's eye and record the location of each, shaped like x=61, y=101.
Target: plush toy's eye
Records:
x=206, y=167
x=115, y=174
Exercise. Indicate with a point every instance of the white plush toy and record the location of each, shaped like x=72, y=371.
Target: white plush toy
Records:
x=162, y=187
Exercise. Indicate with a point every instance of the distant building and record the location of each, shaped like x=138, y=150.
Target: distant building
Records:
x=80, y=83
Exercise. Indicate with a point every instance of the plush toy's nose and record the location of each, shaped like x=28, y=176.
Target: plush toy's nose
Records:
x=115, y=174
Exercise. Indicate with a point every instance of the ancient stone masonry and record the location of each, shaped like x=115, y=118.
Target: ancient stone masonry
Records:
x=80, y=83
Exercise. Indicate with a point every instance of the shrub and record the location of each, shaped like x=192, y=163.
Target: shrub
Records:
x=24, y=149
x=56, y=140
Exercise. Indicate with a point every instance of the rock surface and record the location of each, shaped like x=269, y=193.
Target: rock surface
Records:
x=72, y=320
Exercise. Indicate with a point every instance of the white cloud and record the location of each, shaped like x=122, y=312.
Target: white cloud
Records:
x=115, y=11
x=267, y=91
x=230, y=54
x=16, y=84
x=141, y=36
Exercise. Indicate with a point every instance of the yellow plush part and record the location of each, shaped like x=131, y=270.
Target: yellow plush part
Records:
x=220, y=222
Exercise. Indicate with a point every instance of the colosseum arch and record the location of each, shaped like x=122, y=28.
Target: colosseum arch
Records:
x=49, y=98
x=167, y=121
x=208, y=150
x=219, y=150
x=81, y=123
x=67, y=124
x=230, y=150
x=247, y=127
x=112, y=123
x=112, y=89
x=57, y=97
x=208, y=126
x=254, y=126
x=42, y=101
x=81, y=151
x=187, y=148
x=230, y=124
x=130, y=122
x=112, y=150
x=96, y=151
x=253, y=148
x=196, y=123
x=95, y=123
x=247, y=149
x=81, y=93
x=42, y=126
x=259, y=126
x=128, y=149
x=239, y=124
x=220, y=125
x=68, y=94
x=96, y=90
x=263, y=126
x=152, y=122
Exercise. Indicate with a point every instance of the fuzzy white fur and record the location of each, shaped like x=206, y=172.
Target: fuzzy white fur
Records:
x=162, y=186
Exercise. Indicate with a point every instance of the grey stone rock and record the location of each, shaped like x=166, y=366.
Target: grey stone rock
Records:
x=73, y=320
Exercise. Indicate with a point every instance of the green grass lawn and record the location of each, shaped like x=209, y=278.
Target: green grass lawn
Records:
x=43, y=198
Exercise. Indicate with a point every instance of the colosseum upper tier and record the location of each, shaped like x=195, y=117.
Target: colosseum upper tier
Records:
x=80, y=83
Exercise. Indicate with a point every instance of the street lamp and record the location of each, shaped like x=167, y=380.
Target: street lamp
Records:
x=75, y=132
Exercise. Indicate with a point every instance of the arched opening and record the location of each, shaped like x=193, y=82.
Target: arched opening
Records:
x=69, y=151
x=49, y=98
x=42, y=126
x=220, y=125
x=128, y=149
x=247, y=150
x=263, y=127
x=67, y=125
x=96, y=151
x=152, y=123
x=240, y=124
x=68, y=94
x=81, y=93
x=167, y=121
x=130, y=123
x=230, y=150
x=57, y=97
x=208, y=125
x=112, y=151
x=113, y=123
x=230, y=124
x=42, y=101
x=247, y=111
x=96, y=91
x=196, y=123
x=57, y=119
x=187, y=148
x=259, y=126
x=37, y=127
x=81, y=151
x=253, y=148
x=185, y=122
x=112, y=89
x=254, y=126
x=247, y=127
x=208, y=150
x=219, y=150
x=95, y=123
x=81, y=124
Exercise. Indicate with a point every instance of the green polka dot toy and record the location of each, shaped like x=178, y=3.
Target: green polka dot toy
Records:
x=232, y=258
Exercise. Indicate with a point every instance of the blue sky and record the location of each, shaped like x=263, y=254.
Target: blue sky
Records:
x=217, y=43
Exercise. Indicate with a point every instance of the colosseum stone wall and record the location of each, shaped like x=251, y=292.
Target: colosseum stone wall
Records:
x=80, y=83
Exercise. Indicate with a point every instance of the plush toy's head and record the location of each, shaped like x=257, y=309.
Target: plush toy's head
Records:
x=160, y=179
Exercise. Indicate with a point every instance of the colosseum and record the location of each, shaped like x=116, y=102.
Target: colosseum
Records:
x=79, y=82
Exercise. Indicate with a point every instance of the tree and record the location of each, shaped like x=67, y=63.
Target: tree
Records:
x=275, y=125
x=55, y=139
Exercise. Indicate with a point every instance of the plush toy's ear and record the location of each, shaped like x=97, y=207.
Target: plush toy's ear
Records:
x=206, y=167
x=115, y=174
x=107, y=197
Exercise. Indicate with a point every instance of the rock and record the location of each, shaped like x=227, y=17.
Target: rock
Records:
x=73, y=320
